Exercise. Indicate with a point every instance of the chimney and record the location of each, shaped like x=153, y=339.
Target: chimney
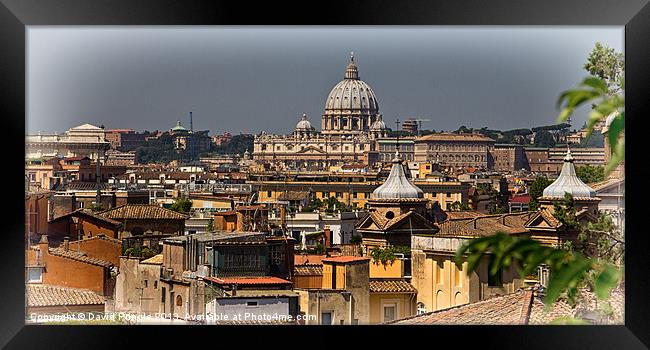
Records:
x=43, y=244
x=66, y=243
x=328, y=237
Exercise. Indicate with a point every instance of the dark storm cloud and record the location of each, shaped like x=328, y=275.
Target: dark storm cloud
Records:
x=256, y=78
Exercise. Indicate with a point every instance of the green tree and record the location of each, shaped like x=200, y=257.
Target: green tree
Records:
x=607, y=64
x=602, y=239
x=458, y=206
x=182, y=205
x=590, y=174
x=570, y=270
x=387, y=255
x=544, y=138
x=332, y=204
x=605, y=90
x=536, y=190
x=210, y=226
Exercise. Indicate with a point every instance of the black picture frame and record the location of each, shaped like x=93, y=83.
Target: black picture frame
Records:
x=15, y=15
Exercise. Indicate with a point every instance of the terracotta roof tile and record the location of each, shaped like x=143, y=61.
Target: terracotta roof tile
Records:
x=301, y=259
x=391, y=286
x=308, y=270
x=48, y=295
x=142, y=211
x=484, y=225
x=508, y=309
x=154, y=260
x=79, y=256
x=346, y=259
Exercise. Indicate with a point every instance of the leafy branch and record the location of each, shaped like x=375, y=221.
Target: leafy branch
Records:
x=386, y=255
x=605, y=90
x=568, y=269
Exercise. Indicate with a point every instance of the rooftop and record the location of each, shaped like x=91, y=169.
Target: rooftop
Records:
x=391, y=286
x=154, y=260
x=346, y=259
x=79, y=256
x=142, y=211
x=48, y=295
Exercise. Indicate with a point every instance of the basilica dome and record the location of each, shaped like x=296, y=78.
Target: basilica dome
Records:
x=351, y=95
x=378, y=125
x=304, y=124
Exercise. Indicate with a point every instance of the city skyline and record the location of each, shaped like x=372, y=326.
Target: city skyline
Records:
x=255, y=79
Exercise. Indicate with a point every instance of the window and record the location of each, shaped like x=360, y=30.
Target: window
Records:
x=34, y=274
x=251, y=304
x=421, y=308
x=146, y=283
x=448, y=194
x=155, y=284
x=269, y=194
x=496, y=280
x=389, y=313
x=326, y=318
x=179, y=300
x=390, y=215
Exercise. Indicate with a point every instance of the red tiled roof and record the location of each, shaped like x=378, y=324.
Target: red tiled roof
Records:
x=391, y=286
x=308, y=270
x=520, y=199
x=79, y=256
x=48, y=295
x=510, y=309
x=248, y=280
x=142, y=211
x=88, y=213
x=300, y=259
x=346, y=259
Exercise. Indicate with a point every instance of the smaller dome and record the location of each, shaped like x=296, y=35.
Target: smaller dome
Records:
x=378, y=124
x=397, y=185
x=178, y=127
x=568, y=182
x=304, y=124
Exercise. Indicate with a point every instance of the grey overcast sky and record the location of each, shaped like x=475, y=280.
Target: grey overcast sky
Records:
x=249, y=79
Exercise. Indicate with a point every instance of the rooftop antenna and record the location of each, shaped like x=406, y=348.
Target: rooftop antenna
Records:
x=397, y=141
x=191, y=125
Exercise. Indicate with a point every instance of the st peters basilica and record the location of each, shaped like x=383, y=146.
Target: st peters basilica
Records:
x=350, y=124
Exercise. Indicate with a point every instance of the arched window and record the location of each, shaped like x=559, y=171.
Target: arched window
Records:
x=179, y=300
x=421, y=308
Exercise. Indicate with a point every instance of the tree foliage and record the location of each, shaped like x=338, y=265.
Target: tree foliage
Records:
x=544, y=138
x=387, y=255
x=569, y=270
x=182, y=205
x=605, y=90
x=458, y=206
x=607, y=64
x=536, y=190
x=237, y=145
x=590, y=174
